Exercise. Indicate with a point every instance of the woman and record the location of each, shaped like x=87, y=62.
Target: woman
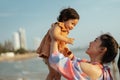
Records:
x=101, y=51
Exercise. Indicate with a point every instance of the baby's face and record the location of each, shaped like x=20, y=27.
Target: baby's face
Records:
x=70, y=24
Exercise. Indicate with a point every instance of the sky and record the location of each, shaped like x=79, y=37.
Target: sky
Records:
x=36, y=16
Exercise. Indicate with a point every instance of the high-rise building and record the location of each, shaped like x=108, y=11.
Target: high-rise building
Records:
x=36, y=43
x=22, y=38
x=19, y=39
x=16, y=41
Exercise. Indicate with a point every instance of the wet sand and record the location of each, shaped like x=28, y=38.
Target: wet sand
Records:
x=18, y=57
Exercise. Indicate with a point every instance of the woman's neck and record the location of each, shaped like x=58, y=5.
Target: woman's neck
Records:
x=94, y=59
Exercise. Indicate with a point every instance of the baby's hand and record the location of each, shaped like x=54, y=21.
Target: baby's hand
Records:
x=70, y=40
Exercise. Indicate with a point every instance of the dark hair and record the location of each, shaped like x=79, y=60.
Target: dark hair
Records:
x=112, y=48
x=68, y=13
x=119, y=61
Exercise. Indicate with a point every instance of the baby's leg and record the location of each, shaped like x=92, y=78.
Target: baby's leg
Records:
x=57, y=76
x=52, y=75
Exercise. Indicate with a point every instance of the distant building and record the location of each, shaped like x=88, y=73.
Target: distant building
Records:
x=19, y=39
x=16, y=41
x=22, y=37
x=36, y=43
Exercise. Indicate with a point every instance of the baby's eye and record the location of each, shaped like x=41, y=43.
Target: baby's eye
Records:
x=73, y=24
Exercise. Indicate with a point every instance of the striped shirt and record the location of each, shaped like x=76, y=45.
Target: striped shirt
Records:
x=71, y=69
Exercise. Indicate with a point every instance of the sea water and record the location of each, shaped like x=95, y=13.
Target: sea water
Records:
x=30, y=69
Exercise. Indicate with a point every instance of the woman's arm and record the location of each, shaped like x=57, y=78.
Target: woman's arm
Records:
x=54, y=48
x=59, y=62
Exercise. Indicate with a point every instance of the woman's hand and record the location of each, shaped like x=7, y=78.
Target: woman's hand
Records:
x=51, y=33
x=54, y=44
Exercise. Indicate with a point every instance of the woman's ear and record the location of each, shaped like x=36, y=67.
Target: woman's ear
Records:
x=103, y=49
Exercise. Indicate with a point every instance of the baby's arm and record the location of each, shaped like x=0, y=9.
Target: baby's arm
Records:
x=57, y=35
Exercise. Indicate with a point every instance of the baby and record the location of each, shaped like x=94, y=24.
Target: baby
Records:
x=67, y=20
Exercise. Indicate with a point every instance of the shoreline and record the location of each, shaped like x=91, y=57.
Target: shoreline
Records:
x=18, y=57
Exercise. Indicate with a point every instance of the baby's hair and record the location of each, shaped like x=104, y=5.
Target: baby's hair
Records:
x=68, y=13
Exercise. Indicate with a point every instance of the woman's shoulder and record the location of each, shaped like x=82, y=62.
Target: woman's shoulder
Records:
x=92, y=70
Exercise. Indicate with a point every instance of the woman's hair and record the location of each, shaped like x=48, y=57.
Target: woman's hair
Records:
x=119, y=61
x=68, y=13
x=112, y=48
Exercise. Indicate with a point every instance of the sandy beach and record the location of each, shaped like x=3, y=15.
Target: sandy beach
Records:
x=18, y=57
x=28, y=67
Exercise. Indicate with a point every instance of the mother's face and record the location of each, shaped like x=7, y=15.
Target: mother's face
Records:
x=94, y=47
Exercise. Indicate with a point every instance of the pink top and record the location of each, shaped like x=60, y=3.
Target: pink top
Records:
x=71, y=69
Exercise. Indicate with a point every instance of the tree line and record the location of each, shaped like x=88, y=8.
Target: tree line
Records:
x=7, y=46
